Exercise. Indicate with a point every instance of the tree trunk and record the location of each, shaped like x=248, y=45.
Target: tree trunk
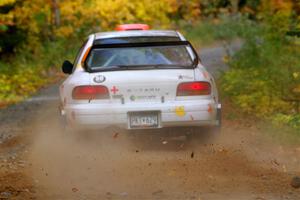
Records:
x=235, y=6
x=55, y=13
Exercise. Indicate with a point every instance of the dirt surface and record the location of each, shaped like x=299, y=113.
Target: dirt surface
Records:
x=38, y=161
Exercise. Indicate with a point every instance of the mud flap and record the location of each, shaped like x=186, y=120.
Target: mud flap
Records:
x=219, y=116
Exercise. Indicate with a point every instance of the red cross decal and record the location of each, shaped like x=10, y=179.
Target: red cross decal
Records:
x=114, y=90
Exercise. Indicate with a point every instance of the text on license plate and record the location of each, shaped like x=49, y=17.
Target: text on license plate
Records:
x=143, y=120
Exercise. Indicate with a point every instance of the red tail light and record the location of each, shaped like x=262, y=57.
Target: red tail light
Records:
x=193, y=89
x=88, y=92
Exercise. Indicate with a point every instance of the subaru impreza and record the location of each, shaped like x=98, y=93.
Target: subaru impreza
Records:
x=136, y=78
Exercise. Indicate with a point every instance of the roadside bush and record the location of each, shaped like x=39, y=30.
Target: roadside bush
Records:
x=222, y=29
x=264, y=77
x=26, y=72
x=285, y=119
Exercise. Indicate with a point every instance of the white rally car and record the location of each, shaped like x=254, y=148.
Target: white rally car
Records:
x=138, y=79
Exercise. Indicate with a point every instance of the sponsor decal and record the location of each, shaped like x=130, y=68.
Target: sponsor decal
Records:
x=117, y=96
x=180, y=111
x=139, y=90
x=99, y=79
x=133, y=97
x=181, y=77
x=210, y=108
x=114, y=90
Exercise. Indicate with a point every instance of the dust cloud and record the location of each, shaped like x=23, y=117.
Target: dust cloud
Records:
x=113, y=164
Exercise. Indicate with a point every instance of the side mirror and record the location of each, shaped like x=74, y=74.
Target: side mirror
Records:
x=67, y=67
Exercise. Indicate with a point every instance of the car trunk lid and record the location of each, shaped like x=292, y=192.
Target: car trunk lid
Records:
x=142, y=86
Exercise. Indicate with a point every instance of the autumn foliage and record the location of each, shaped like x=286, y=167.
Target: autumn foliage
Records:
x=49, y=19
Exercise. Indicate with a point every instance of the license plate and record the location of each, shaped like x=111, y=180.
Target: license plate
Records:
x=143, y=120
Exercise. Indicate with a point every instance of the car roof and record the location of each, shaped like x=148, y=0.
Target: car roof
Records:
x=142, y=33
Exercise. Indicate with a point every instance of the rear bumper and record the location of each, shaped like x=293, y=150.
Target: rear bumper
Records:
x=172, y=114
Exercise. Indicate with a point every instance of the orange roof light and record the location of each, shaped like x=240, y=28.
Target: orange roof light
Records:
x=132, y=27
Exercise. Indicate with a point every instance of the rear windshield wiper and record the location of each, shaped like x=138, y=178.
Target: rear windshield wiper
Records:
x=108, y=68
x=162, y=66
x=138, y=67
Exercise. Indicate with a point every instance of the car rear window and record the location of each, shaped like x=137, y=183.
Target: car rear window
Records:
x=122, y=56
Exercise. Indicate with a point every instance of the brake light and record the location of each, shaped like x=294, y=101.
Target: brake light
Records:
x=89, y=92
x=193, y=89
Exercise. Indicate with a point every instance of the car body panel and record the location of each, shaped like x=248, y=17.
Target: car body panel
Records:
x=173, y=113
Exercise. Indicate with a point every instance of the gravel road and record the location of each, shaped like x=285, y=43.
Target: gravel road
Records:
x=37, y=161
